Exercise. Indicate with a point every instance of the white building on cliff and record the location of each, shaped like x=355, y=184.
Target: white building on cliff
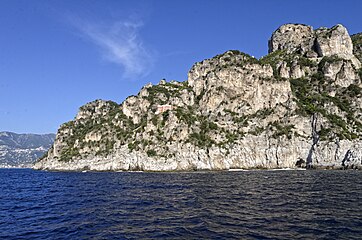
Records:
x=163, y=108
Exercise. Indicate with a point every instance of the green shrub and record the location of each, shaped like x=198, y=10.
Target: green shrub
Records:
x=133, y=146
x=324, y=133
x=282, y=130
x=151, y=153
x=328, y=59
x=353, y=90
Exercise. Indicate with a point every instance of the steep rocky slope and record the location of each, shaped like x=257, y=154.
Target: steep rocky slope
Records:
x=357, y=45
x=22, y=150
x=299, y=106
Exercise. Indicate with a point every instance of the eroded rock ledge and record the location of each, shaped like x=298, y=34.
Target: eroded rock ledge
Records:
x=299, y=106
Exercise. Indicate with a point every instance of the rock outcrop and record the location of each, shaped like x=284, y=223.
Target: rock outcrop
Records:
x=293, y=38
x=323, y=42
x=299, y=106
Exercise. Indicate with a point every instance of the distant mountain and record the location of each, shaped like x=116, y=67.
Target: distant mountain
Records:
x=22, y=150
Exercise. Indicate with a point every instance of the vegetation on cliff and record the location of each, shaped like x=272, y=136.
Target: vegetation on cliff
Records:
x=227, y=100
x=357, y=45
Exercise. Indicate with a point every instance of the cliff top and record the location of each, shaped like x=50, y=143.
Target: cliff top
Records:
x=283, y=110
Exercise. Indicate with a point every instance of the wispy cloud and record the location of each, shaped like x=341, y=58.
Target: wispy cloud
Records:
x=120, y=43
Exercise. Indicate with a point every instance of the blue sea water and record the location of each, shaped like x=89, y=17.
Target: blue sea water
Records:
x=196, y=205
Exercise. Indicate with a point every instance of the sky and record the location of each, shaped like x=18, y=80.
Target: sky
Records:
x=56, y=56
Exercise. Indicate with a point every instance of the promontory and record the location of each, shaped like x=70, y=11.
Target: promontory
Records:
x=300, y=106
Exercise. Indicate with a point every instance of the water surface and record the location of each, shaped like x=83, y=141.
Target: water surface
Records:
x=211, y=205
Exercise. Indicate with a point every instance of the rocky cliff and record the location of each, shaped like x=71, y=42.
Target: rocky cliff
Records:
x=299, y=106
x=22, y=150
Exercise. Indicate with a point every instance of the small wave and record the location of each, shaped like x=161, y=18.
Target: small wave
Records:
x=238, y=170
x=287, y=169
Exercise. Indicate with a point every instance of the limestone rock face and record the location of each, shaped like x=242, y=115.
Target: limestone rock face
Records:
x=302, y=39
x=299, y=106
x=293, y=38
x=253, y=91
x=334, y=41
x=93, y=109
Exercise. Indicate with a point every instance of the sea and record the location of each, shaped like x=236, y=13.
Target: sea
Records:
x=256, y=204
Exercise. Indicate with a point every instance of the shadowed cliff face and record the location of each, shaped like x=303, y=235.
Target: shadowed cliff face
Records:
x=357, y=45
x=298, y=106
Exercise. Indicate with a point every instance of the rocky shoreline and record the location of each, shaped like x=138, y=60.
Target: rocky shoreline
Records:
x=86, y=170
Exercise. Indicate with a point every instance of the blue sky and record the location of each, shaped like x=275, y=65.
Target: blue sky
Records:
x=58, y=55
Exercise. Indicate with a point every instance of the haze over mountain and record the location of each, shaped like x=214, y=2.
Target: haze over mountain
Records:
x=22, y=150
